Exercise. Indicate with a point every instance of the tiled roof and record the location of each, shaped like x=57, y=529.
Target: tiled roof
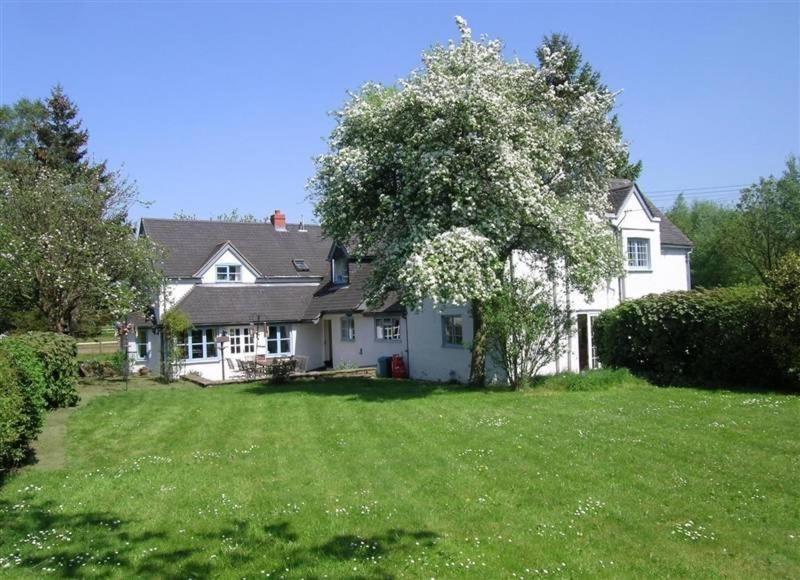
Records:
x=207, y=304
x=190, y=243
x=332, y=298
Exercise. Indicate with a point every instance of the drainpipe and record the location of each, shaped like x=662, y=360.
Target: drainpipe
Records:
x=408, y=352
x=569, y=314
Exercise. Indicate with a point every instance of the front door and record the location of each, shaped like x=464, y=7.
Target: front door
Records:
x=587, y=350
x=327, y=335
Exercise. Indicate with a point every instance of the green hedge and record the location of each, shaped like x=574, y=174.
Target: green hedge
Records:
x=30, y=376
x=58, y=354
x=716, y=337
x=13, y=419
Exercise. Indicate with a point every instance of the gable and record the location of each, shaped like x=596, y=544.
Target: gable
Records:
x=227, y=255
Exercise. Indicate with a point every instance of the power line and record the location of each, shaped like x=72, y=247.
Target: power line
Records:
x=710, y=187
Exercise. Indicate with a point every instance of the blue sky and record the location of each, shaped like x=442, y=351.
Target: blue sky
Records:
x=211, y=106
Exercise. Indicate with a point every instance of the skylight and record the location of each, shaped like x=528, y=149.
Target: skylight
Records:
x=300, y=265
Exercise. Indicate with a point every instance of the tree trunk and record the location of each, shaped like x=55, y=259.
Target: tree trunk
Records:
x=477, y=369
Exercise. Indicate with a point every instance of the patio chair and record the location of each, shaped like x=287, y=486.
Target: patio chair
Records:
x=300, y=364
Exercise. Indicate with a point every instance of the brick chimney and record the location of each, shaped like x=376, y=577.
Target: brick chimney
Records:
x=278, y=220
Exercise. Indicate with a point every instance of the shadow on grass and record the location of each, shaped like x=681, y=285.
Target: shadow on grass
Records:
x=371, y=390
x=710, y=384
x=40, y=538
x=44, y=539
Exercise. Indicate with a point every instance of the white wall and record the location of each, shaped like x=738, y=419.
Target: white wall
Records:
x=429, y=358
x=365, y=349
x=228, y=258
x=308, y=342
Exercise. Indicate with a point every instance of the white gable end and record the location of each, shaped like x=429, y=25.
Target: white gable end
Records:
x=208, y=274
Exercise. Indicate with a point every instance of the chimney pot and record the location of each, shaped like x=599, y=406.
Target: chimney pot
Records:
x=278, y=220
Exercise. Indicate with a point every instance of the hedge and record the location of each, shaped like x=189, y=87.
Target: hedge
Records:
x=717, y=337
x=58, y=354
x=13, y=420
x=23, y=359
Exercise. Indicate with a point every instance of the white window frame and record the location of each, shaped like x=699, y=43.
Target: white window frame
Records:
x=278, y=335
x=232, y=273
x=343, y=278
x=452, y=331
x=390, y=323
x=242, y=340
x=347, y=329
x=142, y=343
x=639, y=254
x=208, y=344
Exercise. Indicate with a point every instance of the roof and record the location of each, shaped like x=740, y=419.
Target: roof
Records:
x=671, y=235
x=333, y=298
x=190, y=243
x=225, y=304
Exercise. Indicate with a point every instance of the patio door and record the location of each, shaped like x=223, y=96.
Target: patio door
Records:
x=587, y=350
x=327, y=335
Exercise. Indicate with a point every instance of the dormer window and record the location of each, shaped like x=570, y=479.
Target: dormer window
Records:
x=300, y=265
x=340, y=273
x=229, y=273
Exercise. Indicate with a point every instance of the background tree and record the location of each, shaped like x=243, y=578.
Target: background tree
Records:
x=768, y=220
x=470, y=158
x=709, y=225
x=230, y=216
x=573, y=78
x=65, y=256
x=69, y=260
x=61, y=139
x=18, y=126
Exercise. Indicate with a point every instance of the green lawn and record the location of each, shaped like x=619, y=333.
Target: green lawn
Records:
x=376, y=479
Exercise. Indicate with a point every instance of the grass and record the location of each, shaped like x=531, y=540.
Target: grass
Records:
x=378, y=479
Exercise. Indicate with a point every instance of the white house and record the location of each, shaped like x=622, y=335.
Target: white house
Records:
x=277, y=289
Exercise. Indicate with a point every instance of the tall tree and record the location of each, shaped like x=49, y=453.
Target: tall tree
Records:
x=714, y=259
x=469, y=159
x=572, y=78
x=67, y=253
x=768, y=221
x=61, y=139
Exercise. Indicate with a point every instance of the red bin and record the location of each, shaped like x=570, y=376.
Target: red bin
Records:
x=399, y=367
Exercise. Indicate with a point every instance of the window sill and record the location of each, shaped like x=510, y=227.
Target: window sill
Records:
x=453, y=346
x=639, y=270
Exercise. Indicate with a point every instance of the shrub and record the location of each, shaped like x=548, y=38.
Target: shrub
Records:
x=13, y=419
x=783, y=295
x=24, y=361
x=719, y=336
x=58, y=354
x=595, y=380
x=101, y=367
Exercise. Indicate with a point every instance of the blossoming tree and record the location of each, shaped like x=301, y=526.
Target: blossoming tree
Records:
x=473, y=157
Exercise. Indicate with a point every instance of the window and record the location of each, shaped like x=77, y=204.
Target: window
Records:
x=300, y=265
x=387, y=329
x=340, y=271
x=278, y=342
x=242, y=340
x=228, y=273
x=348, y=327
x=199, y=343
x=141, y=343
x=638, y=253
x=452, y=331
